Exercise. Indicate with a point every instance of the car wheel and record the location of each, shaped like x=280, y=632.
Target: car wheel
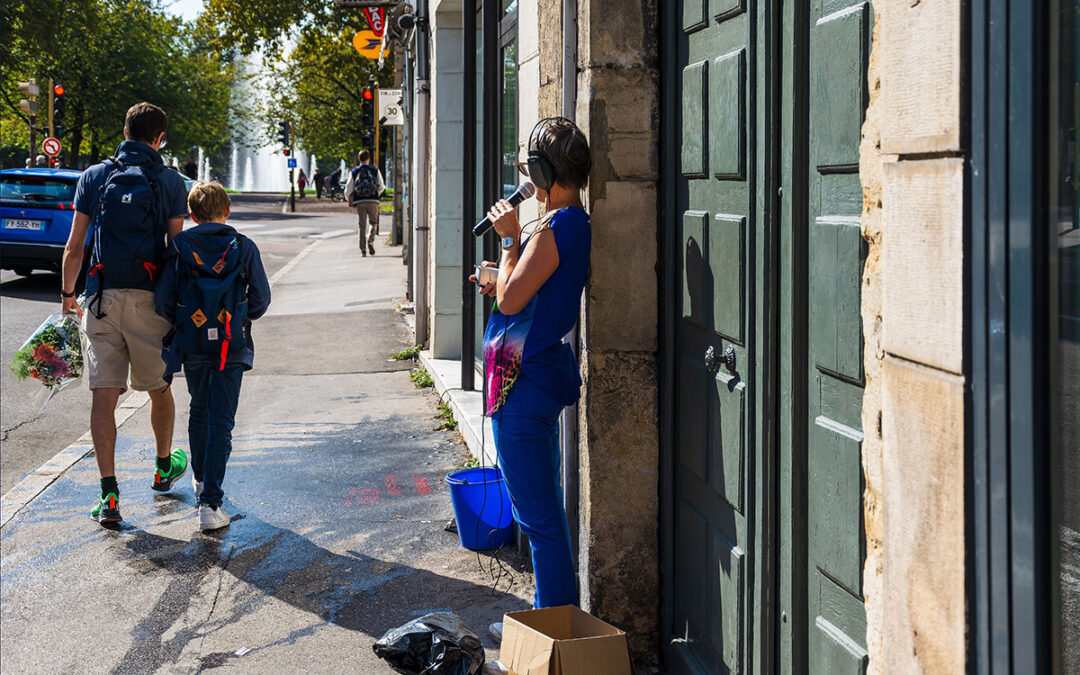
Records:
x=24, y=271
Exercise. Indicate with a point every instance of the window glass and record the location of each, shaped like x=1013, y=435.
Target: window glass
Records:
x=1064, y=329
x=481, y=208
x=509, y=6
x=36, y=189
x=509, y=120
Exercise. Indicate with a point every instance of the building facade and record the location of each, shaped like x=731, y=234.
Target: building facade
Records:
x=829, y=420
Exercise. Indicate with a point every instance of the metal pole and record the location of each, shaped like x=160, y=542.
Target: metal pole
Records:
x=375, y=152
x=51, y=131
x=423, y=146
x=568, y=421
x=292, y=183
x=468, y=196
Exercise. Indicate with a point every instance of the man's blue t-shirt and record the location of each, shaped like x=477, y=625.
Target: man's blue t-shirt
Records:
x=173, y=192
x=529, y=343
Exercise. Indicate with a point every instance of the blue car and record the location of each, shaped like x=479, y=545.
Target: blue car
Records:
x=36, y=210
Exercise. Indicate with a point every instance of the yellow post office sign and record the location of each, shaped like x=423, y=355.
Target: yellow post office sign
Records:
x=368, y=44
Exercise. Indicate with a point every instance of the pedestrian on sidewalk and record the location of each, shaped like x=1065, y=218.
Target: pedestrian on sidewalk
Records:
x=301, y=182
x=363, y=190
x=138, y=205
x=212, y=288
x=317, y=180
x=532, y=374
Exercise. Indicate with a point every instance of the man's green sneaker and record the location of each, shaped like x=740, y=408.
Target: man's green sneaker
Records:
x=107, y=509
x=177, y=467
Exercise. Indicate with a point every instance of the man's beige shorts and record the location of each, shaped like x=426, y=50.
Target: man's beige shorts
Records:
x=129, y=335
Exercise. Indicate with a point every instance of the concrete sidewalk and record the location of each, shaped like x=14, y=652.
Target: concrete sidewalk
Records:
x=336, y=493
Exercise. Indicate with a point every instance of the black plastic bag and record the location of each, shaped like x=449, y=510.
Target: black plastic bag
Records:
x=435, y=644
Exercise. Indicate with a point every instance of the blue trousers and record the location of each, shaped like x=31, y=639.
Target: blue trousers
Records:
x=214, y=395
x=527, y=439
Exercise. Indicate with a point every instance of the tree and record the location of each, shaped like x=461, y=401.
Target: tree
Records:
x=110, y=54
x=319, y=85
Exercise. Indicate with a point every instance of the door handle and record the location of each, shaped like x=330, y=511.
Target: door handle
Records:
x=713, y=361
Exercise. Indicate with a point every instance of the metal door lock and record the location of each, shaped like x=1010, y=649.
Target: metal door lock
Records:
x=714, y=361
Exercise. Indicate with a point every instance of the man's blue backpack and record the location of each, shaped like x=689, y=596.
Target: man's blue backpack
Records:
x=129, y=228
x=211, y=305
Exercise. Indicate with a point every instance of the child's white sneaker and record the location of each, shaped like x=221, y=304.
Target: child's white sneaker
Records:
x=197, y=484
x=212, y=518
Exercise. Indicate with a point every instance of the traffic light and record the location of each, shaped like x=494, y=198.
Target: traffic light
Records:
x=367, y=107
x=369, y=140
x=59, y=104
x=283, y=133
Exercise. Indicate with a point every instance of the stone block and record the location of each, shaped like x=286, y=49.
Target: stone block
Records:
x=921, y=58
x=922, y=503
x=528, y=30
x=446, y=241
x=446, y=336
x=616, y=34
x=447, y=102
x=622, y=287
x=619, y=474
x=446, y=192
x=922, y=261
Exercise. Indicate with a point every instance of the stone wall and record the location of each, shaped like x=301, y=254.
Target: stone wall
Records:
x=911, y=167
x=447, y=114
x=617, y=107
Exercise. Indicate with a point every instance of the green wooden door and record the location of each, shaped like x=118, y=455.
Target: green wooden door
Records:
x=718, y=224
x=822, y=623
x=763, y=531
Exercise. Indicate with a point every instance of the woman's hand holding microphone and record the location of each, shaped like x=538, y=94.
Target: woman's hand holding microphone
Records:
x=504, y=219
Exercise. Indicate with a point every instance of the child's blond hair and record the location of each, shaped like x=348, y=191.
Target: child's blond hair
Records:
x=208, y=202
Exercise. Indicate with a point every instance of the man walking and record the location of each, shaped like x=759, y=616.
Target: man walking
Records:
x=363, y=190
x=133, y=204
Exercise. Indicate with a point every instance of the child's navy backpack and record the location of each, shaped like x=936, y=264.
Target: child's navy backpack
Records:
x=211, y=304
x=131, y=248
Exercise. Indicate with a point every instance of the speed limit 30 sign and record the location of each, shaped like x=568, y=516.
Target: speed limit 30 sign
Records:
x=51, y=146
x=390, y=112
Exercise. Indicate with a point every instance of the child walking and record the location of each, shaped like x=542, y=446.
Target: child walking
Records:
x=212, y=288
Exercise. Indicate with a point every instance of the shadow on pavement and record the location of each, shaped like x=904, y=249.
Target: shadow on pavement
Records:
x=40, y=286
x=354, y=591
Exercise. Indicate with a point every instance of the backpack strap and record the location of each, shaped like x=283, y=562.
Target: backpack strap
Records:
x=114, y=164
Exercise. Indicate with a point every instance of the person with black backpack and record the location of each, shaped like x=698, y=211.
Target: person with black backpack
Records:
x=134, y=205
x=212, y=288
x=364, y=190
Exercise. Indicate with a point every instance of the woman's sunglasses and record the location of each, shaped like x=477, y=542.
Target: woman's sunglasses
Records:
x=523, y=168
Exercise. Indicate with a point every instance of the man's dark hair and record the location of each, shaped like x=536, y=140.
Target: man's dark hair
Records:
x=144, y=122
x=364, y=155
x=566, y=148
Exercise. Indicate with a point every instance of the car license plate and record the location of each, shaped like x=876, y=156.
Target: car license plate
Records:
x=23, y=224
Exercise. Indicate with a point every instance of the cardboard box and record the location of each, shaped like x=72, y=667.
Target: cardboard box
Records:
x=562, y=641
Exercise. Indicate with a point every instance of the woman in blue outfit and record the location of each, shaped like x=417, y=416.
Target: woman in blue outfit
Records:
x=531, y=372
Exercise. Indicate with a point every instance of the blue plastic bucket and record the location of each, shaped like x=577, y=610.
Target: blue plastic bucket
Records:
x=472, y=490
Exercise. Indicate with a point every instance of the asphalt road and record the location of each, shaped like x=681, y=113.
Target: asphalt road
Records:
x=30, y=434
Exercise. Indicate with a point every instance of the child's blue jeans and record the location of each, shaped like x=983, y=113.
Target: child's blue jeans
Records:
x=214, y=395
x=527, y=439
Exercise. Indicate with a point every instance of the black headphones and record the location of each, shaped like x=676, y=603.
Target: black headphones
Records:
x=541, y=169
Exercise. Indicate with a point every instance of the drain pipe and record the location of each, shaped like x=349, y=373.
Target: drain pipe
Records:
x=421, y=225
x=568, y=422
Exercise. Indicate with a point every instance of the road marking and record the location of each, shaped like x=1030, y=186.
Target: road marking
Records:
x=392, y=487
x=35, y=483
x=284, y=230
x=422, y=486
x=331, y=234
x=293, y=263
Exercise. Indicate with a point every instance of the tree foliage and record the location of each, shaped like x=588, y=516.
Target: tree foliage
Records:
x=318, y=87
x=109, y=55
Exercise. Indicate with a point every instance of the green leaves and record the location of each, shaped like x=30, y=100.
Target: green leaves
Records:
x=111, y=54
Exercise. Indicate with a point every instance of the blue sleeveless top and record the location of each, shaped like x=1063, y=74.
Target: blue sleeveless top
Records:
x=529, y=343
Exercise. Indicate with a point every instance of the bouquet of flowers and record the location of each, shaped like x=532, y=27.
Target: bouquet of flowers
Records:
x=53, y=354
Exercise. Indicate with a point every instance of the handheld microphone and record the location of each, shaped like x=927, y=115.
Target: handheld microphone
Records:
x=526, y=190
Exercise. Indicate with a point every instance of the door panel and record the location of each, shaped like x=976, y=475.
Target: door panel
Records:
x=839, y=41
x=707, y=630
x=719, y=598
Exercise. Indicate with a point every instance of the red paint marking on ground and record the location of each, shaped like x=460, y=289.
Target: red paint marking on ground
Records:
x=368, y=496
x=422, y=486
x=392, y=487
x=349, y=497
